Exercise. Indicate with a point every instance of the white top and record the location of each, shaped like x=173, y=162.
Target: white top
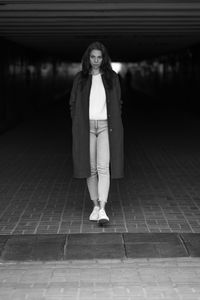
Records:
x=97, y=106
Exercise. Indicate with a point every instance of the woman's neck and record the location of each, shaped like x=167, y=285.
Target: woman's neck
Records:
x=95, y=71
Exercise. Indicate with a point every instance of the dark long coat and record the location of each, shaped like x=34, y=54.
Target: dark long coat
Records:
x=79, y=106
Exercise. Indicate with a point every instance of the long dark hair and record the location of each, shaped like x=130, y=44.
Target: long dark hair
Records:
x=105, y=67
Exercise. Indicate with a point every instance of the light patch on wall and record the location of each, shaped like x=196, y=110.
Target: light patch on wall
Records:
x=116, y=67
x=46, y=69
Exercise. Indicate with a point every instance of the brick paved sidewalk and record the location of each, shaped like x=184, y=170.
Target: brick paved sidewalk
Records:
x=160, y=192
x=141, y=279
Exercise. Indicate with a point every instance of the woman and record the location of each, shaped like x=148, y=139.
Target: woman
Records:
x=97, y=130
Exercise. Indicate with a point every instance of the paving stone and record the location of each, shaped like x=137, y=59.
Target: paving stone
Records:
x=3, y=241
x=91, y=246
x=92, y=251
x=192, y=242
x=153, y=245
x=94, y=239
x=130, y=238
x=141, y=251
x=18, y=248
x=170, y=250
x=34, y=247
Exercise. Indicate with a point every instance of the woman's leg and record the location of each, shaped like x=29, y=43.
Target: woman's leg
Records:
x=99, y=160
x=103, y=161
x=92, y=181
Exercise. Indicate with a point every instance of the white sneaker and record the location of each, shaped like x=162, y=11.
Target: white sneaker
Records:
x=94, y=214
x=103, y=218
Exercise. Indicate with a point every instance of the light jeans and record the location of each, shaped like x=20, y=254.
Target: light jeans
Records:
x=99, y=181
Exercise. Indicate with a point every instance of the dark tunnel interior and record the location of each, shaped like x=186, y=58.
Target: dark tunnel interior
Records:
x=153, y=203
x=162, y=89
x=161, y=118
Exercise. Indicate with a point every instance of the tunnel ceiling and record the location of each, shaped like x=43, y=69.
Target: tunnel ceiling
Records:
x=131, y=29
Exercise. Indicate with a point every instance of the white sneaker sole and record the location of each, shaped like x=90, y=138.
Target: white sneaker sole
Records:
x=93, y=220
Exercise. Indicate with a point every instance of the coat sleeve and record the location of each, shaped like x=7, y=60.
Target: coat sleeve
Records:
x=72, y=98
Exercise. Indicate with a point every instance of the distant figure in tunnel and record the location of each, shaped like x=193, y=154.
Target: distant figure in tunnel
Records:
x=97, y=129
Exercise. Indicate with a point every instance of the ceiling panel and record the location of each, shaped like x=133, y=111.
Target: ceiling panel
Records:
x=130, y=29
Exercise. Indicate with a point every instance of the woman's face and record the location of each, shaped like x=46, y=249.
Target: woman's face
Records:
x=96, y=59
